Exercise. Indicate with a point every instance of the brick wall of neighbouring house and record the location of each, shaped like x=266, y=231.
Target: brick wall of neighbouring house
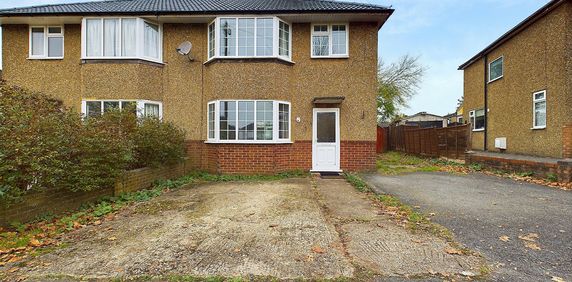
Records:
x=567, y=141
x=274, y=158
x=39, y=203
x=562, y=169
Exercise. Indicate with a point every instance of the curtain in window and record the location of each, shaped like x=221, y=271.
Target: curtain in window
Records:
x=37, y=41
x=339, y=44
x=55, y=46
x=283, y=121
x=151, y=110
x=128, y=37
x=93, y=38
x=540, y=114
x=320, y=44
x=111, y=38
x=151, y=40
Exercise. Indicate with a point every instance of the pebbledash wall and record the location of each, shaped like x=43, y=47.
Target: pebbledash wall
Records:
x=186, y=87
x=57, y=201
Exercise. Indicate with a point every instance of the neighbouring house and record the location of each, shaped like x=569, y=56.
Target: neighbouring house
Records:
x=260, y=86
x=518, y=90
x=424, y=120
x=456, y=118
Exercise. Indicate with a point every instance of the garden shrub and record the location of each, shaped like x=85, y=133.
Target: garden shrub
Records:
x=44, y=145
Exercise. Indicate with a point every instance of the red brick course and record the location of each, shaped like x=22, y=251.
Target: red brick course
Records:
x=274, y=158
x=567, y=141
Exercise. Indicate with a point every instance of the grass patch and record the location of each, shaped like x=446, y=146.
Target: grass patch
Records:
x=357, y=182
x=392, y=163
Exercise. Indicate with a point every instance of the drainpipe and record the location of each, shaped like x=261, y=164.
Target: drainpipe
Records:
x=486, y=109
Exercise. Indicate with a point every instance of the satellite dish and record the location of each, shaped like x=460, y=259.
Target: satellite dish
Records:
x=185, y=48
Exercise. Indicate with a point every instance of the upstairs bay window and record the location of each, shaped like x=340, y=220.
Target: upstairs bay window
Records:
x=244, y=37
x=329, y=40
x=248, y=121
x=46, y=42
x=121, y=38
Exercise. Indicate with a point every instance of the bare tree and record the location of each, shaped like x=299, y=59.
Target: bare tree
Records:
x=397, y=83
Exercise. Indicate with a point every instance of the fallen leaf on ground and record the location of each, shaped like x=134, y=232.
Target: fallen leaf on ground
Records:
x=557, y=279
x=468, y=273
x=532, y=245
x=504, y=238
x=531, y=237
x=35, y=243
x=112, y=238
x=97, y=222
x=453, y=251
x=431, y=214
x=76, y=225
x=13, y=269
x=317, y=250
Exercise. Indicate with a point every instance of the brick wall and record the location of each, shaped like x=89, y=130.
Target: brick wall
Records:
x=567, y=141
x=274, y=158
x=58, y=201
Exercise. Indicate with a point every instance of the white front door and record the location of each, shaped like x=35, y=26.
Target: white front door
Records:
x=326, y=140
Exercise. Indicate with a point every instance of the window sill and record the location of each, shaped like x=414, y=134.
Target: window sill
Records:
x=538, y=128
x=45, y=58
x=122, y=61
x=249, y=142
x=478, y=130
x=491, y=81
x=331, y=57
x=249, y=59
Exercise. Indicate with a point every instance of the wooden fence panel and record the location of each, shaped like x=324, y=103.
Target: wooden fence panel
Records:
x=450, y=142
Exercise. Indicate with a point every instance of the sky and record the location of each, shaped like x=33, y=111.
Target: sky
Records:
x=443, y=33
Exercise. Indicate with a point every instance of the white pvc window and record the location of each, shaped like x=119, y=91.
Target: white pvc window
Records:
x=121, y=38
x=539, y=109
x=248, y=121
x=477, y=119
x=142, y=108
x=496, y=69
x=249, y=37
x=46, y=42
x=330, y=40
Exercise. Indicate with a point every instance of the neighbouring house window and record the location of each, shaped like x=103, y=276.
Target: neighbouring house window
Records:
x=233, y=37
x=248, y=121
x=539, y=102
x=118, y=38
x=46, y=42
x=496, y=69
x=477, y=119
x=329, y=40
x=142, y=108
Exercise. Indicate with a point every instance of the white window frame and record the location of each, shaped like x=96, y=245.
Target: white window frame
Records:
x=472, y=119
x=330, y=44
x=140, y=106
x=275, y=123
x=534, y=102
x=46, y=36
x=489, y=69
x=139, y=37
x=275, y=38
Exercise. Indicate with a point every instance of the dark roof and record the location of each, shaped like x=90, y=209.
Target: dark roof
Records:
x=169, y=7
x=514, y=31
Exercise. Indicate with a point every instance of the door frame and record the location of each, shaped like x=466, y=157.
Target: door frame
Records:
x=315, y=139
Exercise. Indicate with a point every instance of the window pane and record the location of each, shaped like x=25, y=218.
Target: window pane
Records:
x=55, y=47
x=540, y=114
x=211, y=121
x=321, y=28
x=326, y=127
x=339, y=44
x=211, y=40
x=264, y=37
x=54, y=30
x=264, y=120
x=284, y=39
x=110, y=105
x=246, y=37
x=93, y=108
x=320, y=45
x=151, y=110
x=93, y=37
x=37, y=41
x=539, y=96
x=228, y=37
x=151, y=40
x=479, y=119
x=496, y=69
x=128, y=37
x=283, y=121
x=129, y=106
x=246, y=120
x=227, y=118
x=111, y=38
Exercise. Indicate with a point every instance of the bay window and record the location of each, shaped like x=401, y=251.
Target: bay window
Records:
x=248, y=121
x=46, y=42
x=118, y=38
x=329, y=40
x=240, y=37
x=142, y=108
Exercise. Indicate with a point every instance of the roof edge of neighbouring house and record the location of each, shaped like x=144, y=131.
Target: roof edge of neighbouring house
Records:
x=550, y=6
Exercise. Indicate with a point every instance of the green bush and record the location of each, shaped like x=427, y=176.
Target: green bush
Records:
x=46, y=145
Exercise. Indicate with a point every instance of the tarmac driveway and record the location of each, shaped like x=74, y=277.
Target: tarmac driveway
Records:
x=489, y=214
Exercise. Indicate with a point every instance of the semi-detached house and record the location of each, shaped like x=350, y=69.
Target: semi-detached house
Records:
x=267, y=86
